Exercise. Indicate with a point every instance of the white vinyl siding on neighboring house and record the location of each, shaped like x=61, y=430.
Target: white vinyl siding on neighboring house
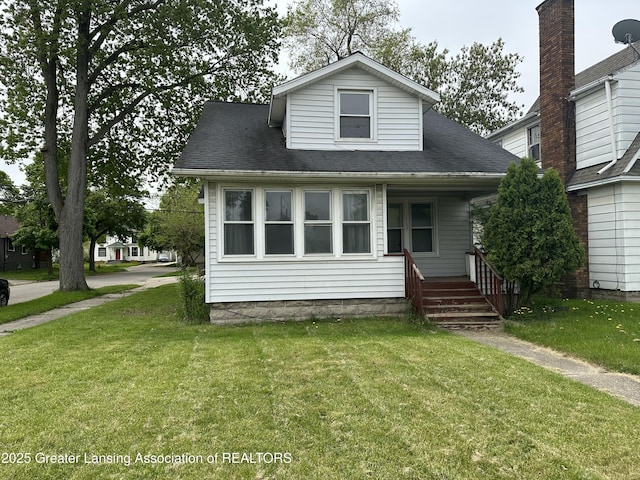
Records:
x=515, y=141
x=314, y=117
x=627, y=106
x=593, y=141
x=593, y=136
x=614, y=236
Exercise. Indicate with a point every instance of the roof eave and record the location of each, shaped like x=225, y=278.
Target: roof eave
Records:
x=396, y=177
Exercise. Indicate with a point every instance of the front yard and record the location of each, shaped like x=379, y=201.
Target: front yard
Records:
x=126, y=391
x=603, y=332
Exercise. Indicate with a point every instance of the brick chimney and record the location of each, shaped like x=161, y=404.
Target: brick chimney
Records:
x=558, y=119
x=557, y=79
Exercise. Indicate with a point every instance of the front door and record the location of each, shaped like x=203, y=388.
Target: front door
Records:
x=117, y=254
x=410, y=225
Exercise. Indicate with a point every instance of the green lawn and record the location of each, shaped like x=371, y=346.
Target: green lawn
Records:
x=58, y=299
x=603, y=332
x=375, y=398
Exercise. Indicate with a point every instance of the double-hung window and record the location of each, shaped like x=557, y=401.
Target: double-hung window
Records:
x=533, y=142
x=422, y=227
x=355, y=114
x=238, y=222
x=318, y=230
x=356, y=225
x=278, y=225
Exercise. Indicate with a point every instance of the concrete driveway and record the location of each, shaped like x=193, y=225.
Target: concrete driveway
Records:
x=22, y=291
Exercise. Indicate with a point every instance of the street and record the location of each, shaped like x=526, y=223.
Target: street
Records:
x=24, y=291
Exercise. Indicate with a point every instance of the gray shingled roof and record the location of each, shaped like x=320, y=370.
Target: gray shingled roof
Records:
x=609, y=65
x=235, y=136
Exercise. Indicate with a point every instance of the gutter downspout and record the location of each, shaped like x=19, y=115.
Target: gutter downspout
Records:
x=612, y=133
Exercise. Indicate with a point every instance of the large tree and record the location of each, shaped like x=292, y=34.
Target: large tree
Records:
x=528, y=234
x=120, y=82
x=474, y=85
x=178, y=224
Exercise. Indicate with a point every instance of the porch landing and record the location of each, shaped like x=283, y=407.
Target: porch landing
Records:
x=456, y=303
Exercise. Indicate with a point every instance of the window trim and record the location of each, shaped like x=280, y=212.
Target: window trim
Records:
x=531, y=144
x=373, y=120
x=407, y=226
x=264, y=223
x=344, y=222
x=224, y=221
x=320, y=223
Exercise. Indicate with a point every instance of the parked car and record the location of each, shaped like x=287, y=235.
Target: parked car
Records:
x=4, y=292
x=163, y=257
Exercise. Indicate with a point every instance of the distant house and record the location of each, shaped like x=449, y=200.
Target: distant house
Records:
x=14, y=257
x=310, y=201
x=587, y=126
x=126, y=250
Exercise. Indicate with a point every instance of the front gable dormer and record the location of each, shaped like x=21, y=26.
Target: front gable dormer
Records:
x=352, y=104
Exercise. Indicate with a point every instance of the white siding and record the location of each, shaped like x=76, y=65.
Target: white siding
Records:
x=593, y=142
x=307, y=280
x=516, y=142
x=614, y=236
x=312, y=117
x=626, y=107
x=593, y=138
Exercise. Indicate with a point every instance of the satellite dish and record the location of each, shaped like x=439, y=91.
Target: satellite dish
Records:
x=626, y=31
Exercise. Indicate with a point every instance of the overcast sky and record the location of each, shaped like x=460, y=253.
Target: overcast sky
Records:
x=456, y=23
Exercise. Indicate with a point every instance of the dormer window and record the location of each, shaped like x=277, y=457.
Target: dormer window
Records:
x=355, y=114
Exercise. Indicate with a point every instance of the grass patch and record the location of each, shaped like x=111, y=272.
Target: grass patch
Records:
x=375, y=398
x=603, y=332
x=41, y=275
x=55, y=300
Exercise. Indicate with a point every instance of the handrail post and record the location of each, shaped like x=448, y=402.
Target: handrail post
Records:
x=488, y=281
x=412, y=283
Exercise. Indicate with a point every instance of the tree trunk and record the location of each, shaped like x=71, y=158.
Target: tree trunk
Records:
x=72, y=215
x=71, y=252
x=92, y=254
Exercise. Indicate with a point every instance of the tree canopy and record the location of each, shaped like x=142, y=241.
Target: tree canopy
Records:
x=474, y=85
x=178, y=224
x=109, y=90
x=529, y=235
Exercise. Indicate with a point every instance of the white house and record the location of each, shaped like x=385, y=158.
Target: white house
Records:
x=587, y=126
x=124, y=250
x=310, y=201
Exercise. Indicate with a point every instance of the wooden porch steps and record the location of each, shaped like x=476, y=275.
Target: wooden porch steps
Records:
x=456, y=304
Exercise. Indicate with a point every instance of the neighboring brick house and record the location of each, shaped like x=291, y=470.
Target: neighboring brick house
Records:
x=14, y=257
x=587, y=126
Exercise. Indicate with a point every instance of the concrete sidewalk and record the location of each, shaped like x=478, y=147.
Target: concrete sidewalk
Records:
x=39, y=319
x=626, y=387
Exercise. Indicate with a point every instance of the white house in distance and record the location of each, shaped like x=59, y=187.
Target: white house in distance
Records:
x=125, y=250
x=310, y=201
x=587, y=126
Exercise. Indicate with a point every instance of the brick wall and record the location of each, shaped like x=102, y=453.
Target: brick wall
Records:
x=557, y=116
